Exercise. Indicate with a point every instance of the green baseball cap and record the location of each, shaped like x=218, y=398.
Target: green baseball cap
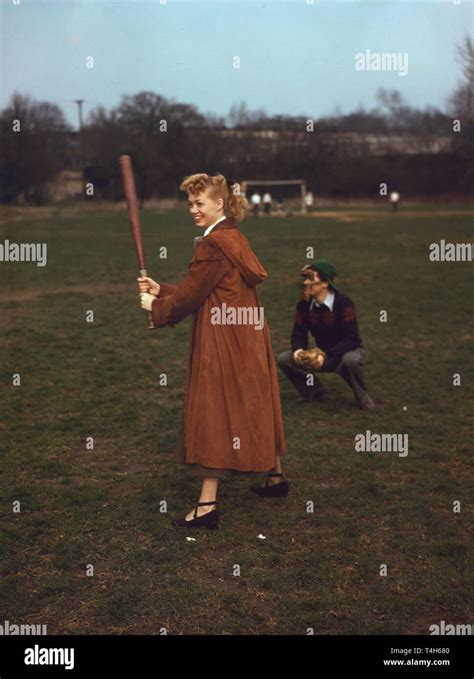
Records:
x=324, y=267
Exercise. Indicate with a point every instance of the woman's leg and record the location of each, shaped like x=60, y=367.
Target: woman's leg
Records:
x=208, y=494
x=277, y=469
x=263, y=488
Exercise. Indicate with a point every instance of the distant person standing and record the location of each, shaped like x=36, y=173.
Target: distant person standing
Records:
x=267, y=202
x=279, y=202
x=256, y=200
x=394, y=198
x=309, y=199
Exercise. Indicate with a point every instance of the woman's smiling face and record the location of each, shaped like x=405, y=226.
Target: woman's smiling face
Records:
x=204, y=210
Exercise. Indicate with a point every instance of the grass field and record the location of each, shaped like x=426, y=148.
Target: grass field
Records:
x=102, y=507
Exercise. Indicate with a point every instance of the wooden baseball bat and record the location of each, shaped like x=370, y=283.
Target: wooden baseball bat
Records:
x=134, y=218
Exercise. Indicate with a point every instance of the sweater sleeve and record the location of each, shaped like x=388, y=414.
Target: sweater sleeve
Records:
x=350, y=338
x=207, y=268
x=299, y=334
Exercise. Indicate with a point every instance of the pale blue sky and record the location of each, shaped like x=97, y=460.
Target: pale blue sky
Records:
x=296, y=58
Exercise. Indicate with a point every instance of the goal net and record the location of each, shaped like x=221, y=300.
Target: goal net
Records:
x=286, y=194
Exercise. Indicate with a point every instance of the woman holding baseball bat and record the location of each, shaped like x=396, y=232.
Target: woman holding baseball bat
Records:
x=231, y=419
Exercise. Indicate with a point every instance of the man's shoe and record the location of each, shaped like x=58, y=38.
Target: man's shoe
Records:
x=370, y=405
x=209, y=520
x=274, y=490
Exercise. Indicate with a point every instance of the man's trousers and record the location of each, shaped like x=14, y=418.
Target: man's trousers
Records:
x=350, y=368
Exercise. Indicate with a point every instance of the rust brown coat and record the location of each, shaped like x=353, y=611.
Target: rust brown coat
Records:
x=232, y=412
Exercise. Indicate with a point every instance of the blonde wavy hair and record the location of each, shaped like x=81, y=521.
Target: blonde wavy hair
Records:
x=217, y=186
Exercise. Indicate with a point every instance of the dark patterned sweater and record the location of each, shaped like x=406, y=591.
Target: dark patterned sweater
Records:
x=335, y=332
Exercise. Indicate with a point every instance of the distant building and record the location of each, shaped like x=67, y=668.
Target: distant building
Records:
x=67, y=185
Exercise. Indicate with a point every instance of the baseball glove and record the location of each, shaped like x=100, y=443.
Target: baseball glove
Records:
x=307, y=359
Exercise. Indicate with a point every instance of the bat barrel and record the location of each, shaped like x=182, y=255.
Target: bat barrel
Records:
x=134, y=218
x=132, y=207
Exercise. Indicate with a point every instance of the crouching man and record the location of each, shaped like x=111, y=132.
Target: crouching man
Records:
x=330, y=317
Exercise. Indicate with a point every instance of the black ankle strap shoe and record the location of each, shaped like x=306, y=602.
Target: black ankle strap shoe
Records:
x=209, y=520
x=274, y=490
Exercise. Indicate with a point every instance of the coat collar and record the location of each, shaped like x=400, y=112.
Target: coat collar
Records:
x=227, y=223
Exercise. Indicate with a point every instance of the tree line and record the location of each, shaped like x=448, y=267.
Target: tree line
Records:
x=168, y=140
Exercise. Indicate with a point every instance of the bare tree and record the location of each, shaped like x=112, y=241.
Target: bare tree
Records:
x=461, y=101
x=465, y=56
x=33, y=142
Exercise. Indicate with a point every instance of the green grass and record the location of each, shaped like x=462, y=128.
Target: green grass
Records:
x=102, y=506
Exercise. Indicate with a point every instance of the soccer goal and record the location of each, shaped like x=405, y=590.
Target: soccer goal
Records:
x=248, y=184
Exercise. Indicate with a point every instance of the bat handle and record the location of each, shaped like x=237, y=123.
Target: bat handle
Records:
x=151, y=325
